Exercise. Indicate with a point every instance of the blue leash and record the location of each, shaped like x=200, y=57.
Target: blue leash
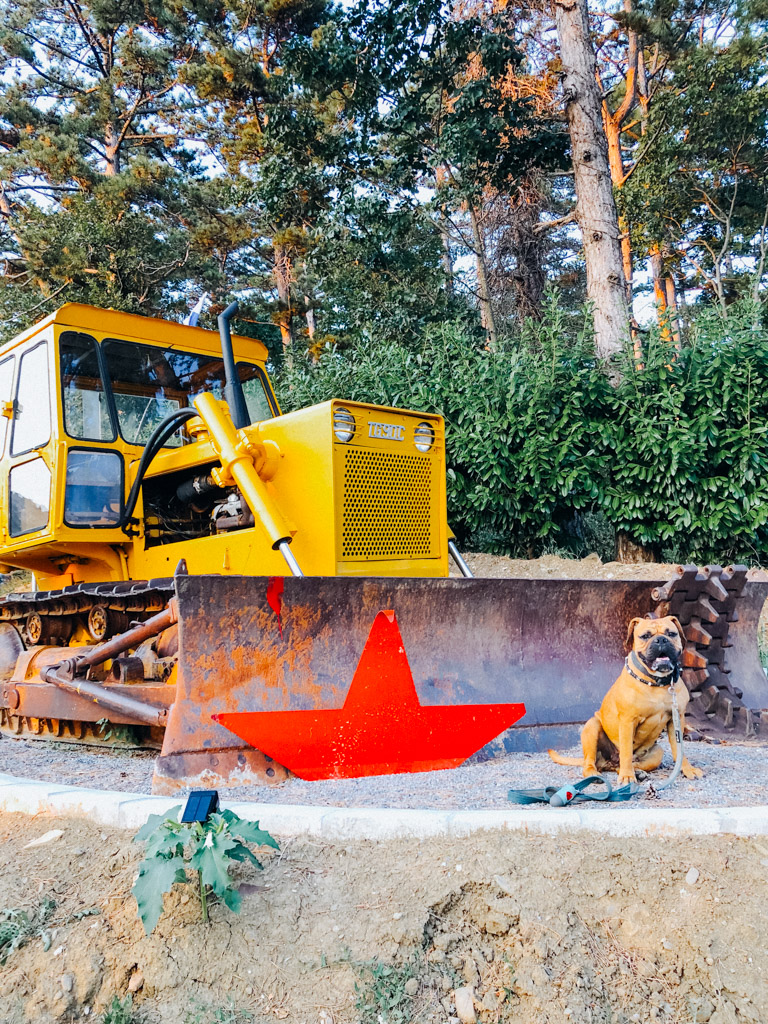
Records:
x=573, y=792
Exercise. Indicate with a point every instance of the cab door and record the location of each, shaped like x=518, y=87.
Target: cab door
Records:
x=27, y=440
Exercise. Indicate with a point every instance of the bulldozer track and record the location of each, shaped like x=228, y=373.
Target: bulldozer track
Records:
x=51, y=615
x=137, y=597
x=706, y=600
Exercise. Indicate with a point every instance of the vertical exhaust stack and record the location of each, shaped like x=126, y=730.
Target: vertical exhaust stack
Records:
x=233, y=388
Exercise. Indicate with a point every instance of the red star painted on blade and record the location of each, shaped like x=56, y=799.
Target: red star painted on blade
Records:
x=382, y=729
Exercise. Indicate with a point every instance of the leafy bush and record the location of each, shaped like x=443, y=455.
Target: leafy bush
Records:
x=206, y=848
x=544, y=452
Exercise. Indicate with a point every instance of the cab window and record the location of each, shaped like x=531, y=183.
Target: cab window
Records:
x=32, y=410
x=94, y=490
x=148, y=382
x=255, y=392
x=86, y=408
x=29, y=486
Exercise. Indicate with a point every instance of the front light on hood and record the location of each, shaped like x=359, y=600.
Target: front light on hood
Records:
x=424, y=437
x=343, y=424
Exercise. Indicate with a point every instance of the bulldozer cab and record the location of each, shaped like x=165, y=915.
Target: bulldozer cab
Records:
x=352, y=490
x=80, y=394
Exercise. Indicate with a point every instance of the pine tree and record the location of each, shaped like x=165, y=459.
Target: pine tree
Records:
x=93, y=160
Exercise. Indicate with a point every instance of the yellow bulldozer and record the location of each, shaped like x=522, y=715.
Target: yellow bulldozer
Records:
x=196, y=552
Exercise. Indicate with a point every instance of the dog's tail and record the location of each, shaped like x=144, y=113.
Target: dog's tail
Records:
x=559, y=759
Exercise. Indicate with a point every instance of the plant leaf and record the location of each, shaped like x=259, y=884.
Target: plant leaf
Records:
x=156, y=876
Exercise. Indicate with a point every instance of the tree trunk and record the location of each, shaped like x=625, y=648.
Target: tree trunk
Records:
x=112, y=151
x=595, y=207
x=283, y=274
x=484, y=294
x=613, y=125
x=447, y=256
x=666, y=298
x=674, y=320
x=629, y=550
x=309, y=316
x=529, y=278
x=444, y=228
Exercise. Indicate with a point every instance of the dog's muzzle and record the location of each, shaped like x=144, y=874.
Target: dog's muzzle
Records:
x=661, y=656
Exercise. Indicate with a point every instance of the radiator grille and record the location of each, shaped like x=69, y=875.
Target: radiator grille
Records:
x=387, y=505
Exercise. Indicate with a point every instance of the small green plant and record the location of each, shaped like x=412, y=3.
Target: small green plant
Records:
x=206, y=848
x=201, y=1013
x=382, y=997
x=19, y=926
x=119, y=1011
x=121, y=733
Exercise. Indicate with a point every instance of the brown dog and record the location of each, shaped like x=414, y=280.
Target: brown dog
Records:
x=622, y=735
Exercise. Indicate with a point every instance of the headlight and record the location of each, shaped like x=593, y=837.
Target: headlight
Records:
x=424, y=437
x=343, y=424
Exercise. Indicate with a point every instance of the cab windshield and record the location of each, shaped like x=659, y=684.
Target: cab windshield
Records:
x=145, y=383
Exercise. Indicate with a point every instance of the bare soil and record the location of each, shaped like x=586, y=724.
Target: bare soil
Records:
x=557, y=568
x=574, y=928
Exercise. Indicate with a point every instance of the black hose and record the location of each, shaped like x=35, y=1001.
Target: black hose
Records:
x=157, y=439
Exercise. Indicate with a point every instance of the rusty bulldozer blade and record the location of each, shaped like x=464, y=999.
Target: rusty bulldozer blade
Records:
x=251, y=644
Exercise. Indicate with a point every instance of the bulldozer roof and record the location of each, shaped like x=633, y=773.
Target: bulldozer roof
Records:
x=144, y=328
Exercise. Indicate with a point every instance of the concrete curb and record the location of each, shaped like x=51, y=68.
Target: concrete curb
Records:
x=131, y=810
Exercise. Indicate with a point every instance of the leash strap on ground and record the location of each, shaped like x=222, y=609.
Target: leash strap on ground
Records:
x=678, y=729
x=564, y=795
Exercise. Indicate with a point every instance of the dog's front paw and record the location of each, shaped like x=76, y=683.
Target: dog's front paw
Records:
x=625, y=780
x=690, y=772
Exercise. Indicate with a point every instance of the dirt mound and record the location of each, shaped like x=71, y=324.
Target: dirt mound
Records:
x=557, y=568
x=546, y=928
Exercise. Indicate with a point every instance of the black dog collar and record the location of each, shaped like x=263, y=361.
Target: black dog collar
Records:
x=639, y=672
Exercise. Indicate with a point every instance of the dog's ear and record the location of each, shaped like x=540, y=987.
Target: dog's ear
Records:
x=680, y=629
x=631, y=631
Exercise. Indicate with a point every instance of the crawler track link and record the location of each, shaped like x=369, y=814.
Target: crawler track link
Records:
x=706, y=601
x=47, y=616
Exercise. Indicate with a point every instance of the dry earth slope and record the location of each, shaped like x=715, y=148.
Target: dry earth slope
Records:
x=575, y=928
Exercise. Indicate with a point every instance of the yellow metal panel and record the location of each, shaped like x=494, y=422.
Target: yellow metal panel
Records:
x=389, y=496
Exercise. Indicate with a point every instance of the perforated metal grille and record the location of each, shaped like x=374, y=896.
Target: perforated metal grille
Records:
x=386, y=505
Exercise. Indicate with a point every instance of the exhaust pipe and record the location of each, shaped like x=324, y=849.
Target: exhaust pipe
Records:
x=233, y=388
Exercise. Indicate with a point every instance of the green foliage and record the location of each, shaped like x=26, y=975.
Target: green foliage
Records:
x=207, y=848
x=381, y=995
x=94, y=166
x=544, y=452
x=119, y=1011
x=17, y=927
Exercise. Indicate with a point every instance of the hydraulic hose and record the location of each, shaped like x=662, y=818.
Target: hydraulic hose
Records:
x=157, y=439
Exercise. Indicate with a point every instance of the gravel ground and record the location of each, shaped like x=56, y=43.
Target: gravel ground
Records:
x=734, y=776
